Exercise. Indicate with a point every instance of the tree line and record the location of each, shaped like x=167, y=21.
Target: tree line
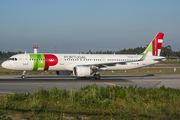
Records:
x=6, y=55
x=165, y=51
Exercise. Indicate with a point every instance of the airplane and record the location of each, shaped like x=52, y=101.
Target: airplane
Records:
x=84, y=65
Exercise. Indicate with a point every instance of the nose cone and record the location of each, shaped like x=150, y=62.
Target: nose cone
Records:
x=8, y=65
x=5, y=65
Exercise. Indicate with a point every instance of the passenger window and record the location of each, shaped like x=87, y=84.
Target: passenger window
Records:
x=15, y=59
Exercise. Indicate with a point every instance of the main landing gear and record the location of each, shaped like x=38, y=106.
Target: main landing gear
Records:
x=23, y=75
x=97, y=76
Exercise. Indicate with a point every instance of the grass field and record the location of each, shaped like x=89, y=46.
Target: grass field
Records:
x=129, y=72
x=170, y=62
x=94, y=103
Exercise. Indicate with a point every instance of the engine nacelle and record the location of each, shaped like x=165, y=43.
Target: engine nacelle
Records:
x=82, y=71
x=63, y=72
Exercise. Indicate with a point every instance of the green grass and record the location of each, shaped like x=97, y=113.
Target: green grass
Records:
x=95, y=103
x=169, y=62
x=140, y=71
x=11, y=72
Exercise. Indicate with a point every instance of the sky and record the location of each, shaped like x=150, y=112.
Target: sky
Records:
x=75, y=26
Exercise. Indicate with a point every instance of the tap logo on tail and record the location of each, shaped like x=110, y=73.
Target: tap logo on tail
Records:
x=155, y=46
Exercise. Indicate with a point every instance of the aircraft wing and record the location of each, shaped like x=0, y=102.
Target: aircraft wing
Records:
x=114, y=63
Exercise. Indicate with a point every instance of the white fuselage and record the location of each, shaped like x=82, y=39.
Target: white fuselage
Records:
x=66, y=62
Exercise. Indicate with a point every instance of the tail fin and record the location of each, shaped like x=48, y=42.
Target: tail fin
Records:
x=155, y=46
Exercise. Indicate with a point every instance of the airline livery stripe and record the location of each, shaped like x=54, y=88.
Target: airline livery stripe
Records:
x=160, y=40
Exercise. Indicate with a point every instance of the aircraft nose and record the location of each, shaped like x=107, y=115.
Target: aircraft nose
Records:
x=4, y=64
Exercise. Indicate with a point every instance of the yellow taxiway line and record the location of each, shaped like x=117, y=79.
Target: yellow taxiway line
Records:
x=110, y=84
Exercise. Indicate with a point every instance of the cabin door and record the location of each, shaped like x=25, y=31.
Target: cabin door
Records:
x=61, y=60
x=25, y=60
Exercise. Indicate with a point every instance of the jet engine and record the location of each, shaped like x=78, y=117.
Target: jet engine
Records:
x=82, y=71
x=63, y=72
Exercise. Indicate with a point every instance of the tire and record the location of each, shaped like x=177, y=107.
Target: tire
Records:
x=23, y=76
x=97, y=76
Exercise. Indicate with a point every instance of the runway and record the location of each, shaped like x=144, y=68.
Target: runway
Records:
x=12, y=83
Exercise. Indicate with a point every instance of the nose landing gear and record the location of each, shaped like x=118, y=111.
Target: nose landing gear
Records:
x=23, y=75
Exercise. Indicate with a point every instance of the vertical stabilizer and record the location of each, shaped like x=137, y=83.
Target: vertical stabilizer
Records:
x=155, y=46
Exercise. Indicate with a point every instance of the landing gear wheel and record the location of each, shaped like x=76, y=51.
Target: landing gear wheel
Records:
x=97, y=76
x=94, y=76
x=23, y=76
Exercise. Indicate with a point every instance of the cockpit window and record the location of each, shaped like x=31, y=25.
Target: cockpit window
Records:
x=14, y=59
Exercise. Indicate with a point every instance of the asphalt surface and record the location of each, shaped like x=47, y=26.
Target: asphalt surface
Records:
x=12, y=83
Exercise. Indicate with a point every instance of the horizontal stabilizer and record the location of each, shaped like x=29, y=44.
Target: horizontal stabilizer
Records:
x=160, y=59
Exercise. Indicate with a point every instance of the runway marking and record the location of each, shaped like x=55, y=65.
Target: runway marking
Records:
x=111, y=84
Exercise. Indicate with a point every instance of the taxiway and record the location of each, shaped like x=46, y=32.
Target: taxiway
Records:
x=12, y=83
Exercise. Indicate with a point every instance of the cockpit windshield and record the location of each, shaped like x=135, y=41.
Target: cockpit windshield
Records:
x=14, y=59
